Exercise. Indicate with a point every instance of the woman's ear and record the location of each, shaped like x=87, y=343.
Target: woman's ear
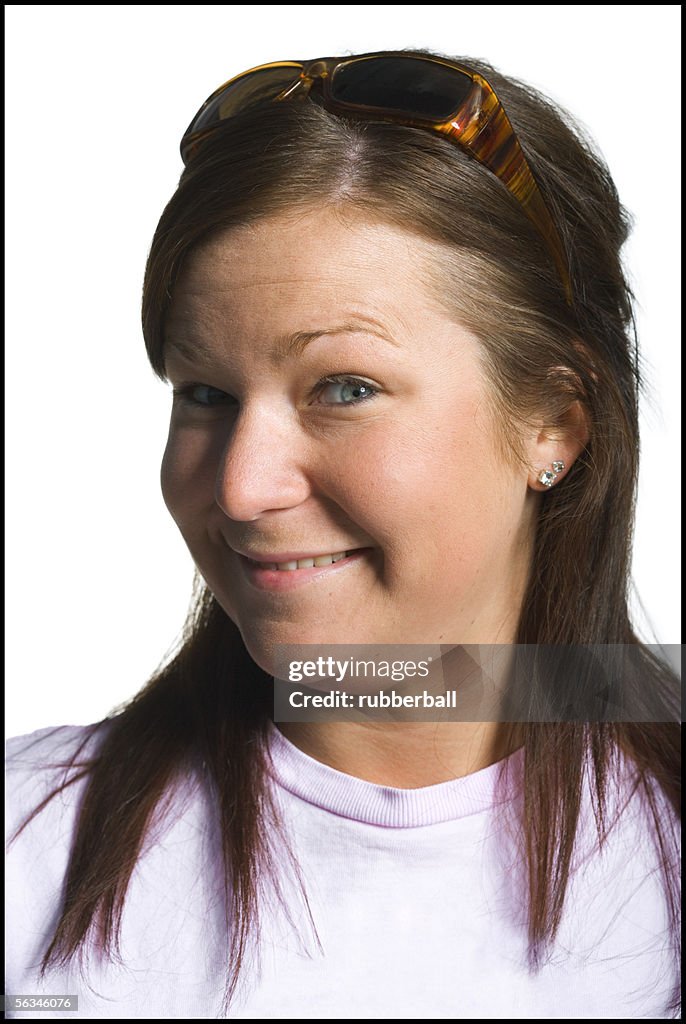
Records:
x=555, y=447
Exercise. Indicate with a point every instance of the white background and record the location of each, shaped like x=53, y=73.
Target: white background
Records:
x=98, y=96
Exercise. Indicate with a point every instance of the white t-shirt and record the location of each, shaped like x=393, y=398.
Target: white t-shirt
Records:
x=418, y=897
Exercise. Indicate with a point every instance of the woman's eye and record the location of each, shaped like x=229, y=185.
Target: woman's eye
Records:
x=340, y=390
x=344, y=390
x=202, y=395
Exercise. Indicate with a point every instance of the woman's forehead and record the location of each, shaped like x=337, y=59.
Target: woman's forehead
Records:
x=322, y=243
x=302, y=268
x=237, y=299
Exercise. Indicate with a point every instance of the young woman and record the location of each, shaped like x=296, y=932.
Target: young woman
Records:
x=388, y=296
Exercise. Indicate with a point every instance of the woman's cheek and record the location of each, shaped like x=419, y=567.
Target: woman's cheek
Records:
x=186, y=473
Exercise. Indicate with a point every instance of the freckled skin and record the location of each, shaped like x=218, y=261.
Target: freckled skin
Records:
x=414, y=472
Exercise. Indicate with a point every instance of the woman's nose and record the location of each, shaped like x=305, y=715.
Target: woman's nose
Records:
x=262, y=466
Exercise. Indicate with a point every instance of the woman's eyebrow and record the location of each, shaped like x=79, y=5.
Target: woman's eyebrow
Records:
x=286, y=347
x=295, y=344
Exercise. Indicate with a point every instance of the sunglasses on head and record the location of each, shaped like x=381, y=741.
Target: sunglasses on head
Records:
x=419, y=91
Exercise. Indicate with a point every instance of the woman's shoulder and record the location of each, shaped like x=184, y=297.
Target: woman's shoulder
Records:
x=634, y=797
x=45, y=744
x=48, y=773
x=620, y=863
x=49, y=760
x=628, y=820
x=51, y=748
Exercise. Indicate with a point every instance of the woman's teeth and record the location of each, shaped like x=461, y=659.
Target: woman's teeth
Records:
x=304, y=563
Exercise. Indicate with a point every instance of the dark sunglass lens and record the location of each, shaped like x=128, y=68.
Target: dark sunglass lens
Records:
x=418, y=87
x=249, y=91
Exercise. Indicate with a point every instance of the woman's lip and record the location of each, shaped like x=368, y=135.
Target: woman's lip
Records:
x=279, y=580
x=294, y=556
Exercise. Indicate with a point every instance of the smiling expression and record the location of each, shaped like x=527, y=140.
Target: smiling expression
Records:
x=397, y=459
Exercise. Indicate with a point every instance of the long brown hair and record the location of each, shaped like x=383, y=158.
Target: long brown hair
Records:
x=204, y=710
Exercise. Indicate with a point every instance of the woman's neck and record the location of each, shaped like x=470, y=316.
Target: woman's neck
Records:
x=404, y=755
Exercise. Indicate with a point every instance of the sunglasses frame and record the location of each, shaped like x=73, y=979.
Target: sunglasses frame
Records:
x=478, y=124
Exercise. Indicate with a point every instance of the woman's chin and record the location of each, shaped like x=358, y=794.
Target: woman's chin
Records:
x=273, y=652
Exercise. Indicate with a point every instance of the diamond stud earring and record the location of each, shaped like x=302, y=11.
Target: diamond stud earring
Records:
x=547, y=477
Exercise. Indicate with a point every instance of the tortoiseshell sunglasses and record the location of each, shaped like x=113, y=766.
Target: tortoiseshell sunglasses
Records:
x=411, y=89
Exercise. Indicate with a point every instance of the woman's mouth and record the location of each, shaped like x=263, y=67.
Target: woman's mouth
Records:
x=283, y=575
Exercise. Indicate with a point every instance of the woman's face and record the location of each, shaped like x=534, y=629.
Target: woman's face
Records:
x=396, y=459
